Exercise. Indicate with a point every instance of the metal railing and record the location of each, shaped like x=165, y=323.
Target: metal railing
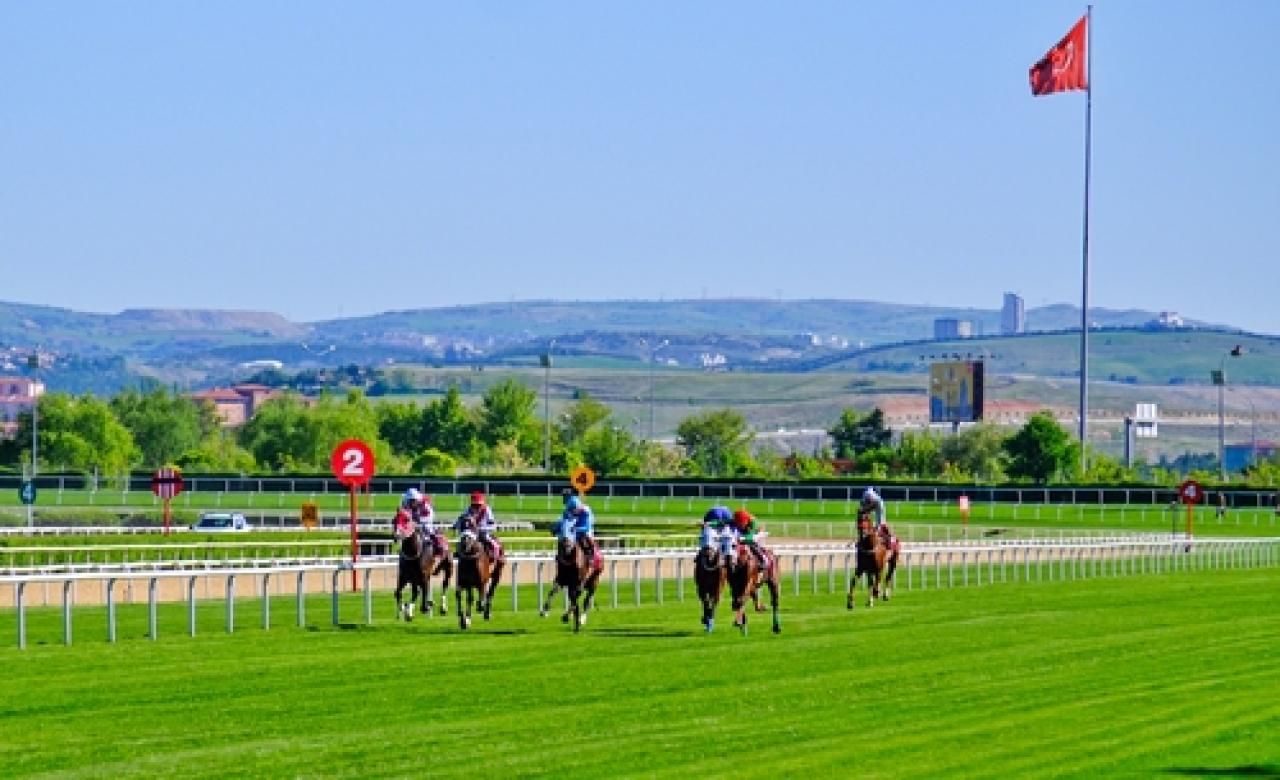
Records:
x=922, y=567
x=321, y=485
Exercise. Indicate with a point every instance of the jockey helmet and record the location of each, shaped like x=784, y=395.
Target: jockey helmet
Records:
x=477, y=498
x=871, y=496
x=573, y=504
x=717, y=514
x=411, y=497
x=742, y=517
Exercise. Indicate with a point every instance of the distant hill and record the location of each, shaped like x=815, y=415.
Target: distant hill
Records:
x=200, y=347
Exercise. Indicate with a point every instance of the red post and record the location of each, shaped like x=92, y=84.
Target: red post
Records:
x=355, y=547
x=166, y=517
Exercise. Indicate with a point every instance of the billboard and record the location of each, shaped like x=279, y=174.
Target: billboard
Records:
x=955, y=391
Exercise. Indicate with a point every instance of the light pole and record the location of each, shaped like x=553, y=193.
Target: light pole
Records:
x=546, y=408
x=1220, y=379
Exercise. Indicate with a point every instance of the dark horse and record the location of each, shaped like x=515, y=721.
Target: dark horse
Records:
x=745, y=578
x=577, y=573
x=709, y=574
x=478, y=575
x=875, y=559
x=411, y=572
x=436, y=560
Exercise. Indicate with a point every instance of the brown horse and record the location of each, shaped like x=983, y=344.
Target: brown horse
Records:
x=745, y=578
x=577, y=573
x=475, y=572
x=875, y=559
x=436, y=560
x=709, y=574
x=411, y=571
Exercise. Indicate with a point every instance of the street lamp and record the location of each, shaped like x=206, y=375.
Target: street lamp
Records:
x=1220, y=379
x=546, y=408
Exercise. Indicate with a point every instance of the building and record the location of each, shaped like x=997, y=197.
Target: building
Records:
x=237, y=404
x=1013, y=317
x=952, y=328
x=17, y=395
x=1238, y=457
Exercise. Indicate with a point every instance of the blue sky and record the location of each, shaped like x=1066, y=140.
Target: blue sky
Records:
x=333, y=159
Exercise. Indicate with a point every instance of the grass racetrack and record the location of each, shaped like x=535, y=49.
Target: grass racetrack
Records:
x=1159, y=675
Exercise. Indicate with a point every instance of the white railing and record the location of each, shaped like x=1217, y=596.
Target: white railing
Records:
x=922, y=567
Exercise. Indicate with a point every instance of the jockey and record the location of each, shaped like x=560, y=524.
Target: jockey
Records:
x=583, y=520
x=746, y=527
x=407, y=514
x=873, y=505
x=478, y=517
x=713, y=522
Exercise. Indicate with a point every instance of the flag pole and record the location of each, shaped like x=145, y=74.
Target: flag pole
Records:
x=1084, y=295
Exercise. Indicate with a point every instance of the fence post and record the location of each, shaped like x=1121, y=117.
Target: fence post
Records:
x=191, y=606
x=231, y=603
x=635, y=578
x=266, y=602
x=657, y=571
x=66, y=612
x=151, y=609
x=302, y=606
x=613, y=580
x=368, y=597
x=111, y=610
x=336, y=573
x=19, y=603
x=515, y=586
x=537, y=574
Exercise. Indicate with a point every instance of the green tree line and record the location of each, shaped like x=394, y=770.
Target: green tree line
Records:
x=503, y=433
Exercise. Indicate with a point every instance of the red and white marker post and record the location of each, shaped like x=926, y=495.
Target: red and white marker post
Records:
x=352, y=463
x=166, y=483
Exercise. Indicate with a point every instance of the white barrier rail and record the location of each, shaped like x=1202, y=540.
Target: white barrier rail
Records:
x=922, y=567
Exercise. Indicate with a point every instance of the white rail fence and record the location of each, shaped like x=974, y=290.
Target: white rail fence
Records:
x=658, y=571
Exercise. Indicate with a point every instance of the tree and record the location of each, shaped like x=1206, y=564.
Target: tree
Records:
x=447, y=427
x=282, y=434
x=507, y=417
x=918, y=454
x=80, y=433
x=610, y=451
x=401, y=426
x=433, y=462
x=978, y=451
x=854, y=433
x=718, y=444
x=580, y=417
x=164, y=425
x=1040, y=449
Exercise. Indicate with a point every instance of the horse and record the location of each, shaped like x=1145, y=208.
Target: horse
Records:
x=411, y=571
x=745, y=578
x=436, y=560
x=474, y=573
x=875, y=560
x=709, y=575
x=577, y=573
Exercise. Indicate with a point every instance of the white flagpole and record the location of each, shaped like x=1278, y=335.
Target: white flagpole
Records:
x=1084, y=295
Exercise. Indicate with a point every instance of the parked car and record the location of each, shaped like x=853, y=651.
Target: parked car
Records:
x=221, y=522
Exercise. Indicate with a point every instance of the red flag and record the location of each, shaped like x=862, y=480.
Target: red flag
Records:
x=1065, y=67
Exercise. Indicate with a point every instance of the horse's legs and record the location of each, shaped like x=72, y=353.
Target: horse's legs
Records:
x=546, y=605
x=494, y=577
x=773, y=602
x=590, y=587
x=853, y=586
x=446, y=565
x=575, y=593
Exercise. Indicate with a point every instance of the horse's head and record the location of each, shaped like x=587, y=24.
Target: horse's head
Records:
x=864, y=524
x=566, y=550
x=469, y=543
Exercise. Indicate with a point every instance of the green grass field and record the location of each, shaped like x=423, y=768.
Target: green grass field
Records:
x=1171, y=674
